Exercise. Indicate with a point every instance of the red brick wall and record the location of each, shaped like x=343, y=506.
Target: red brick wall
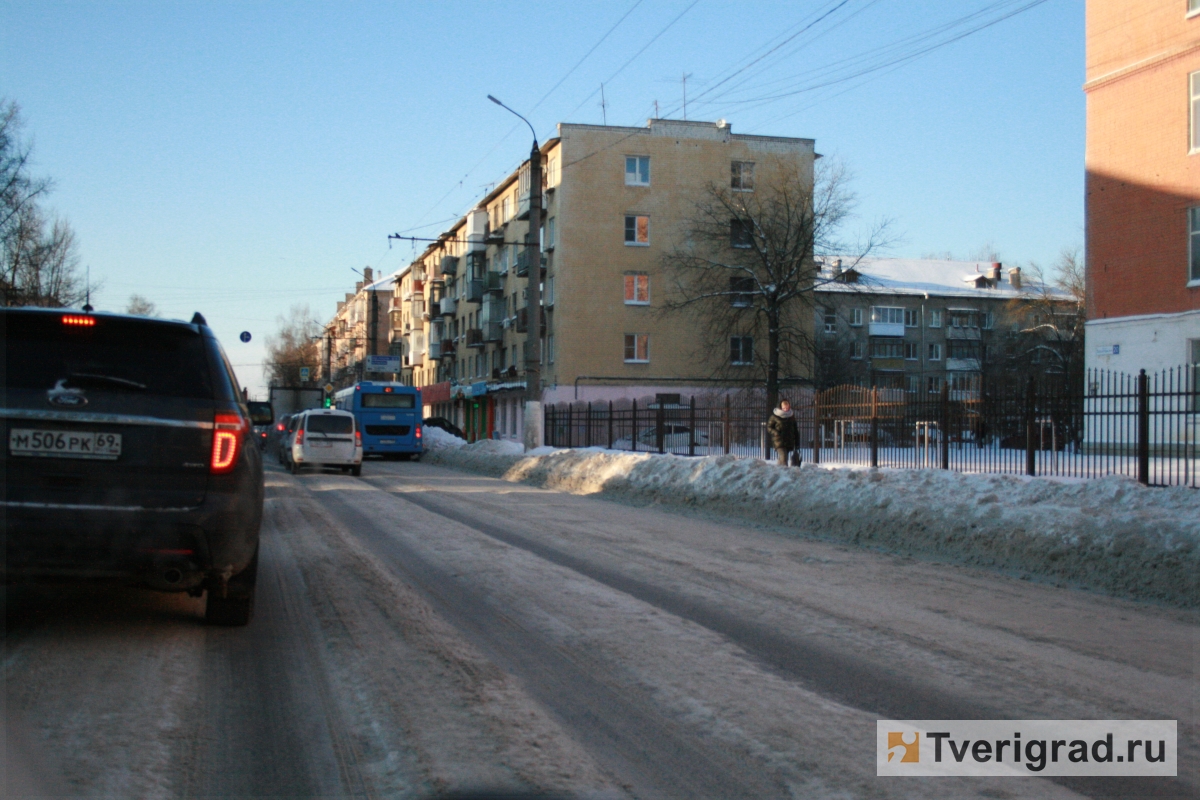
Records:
x=1141, y=178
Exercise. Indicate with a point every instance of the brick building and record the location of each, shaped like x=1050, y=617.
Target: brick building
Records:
x=1143, y=183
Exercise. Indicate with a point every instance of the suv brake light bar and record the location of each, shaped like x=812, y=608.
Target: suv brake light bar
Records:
x=229, y=431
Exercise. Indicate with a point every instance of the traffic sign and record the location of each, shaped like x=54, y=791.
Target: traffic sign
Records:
x=329, y=388
x=245, y=337
x=303, y=374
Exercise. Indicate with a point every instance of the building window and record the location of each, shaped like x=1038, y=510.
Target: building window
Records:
x=911, y=318
x=887, y=348
x=912, y=351
x=933, y=384
x=1194, y=116
x=637, y=231
x=912, y=383
x=505, y=214
x=550, y=237
x=741, y=292
x=742, y=176
x=856, y=317
x=552, y=172
x=637, y=289
x=830, y=320
x=965, y=348
x=740, y=234
x=550, y=348
x=741, y=350
x=889, y=315
x=856, y=350
x=1193, y=7
x=1194, y=242
x=637, y=348
x=935, y=319
x=964, y=318
x=637, y=170
x=989, y=319
x=548, y=297
x=935, y=352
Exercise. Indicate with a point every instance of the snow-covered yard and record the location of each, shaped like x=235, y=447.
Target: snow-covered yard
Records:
x=1110, y=534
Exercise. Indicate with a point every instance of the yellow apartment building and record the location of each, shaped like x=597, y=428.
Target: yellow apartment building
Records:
x=616, y=200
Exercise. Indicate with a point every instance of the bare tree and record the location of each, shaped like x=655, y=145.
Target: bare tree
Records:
x=40, y=257
x=141, y=306
x=1049, y=322
x=293, y=346
x=748, y=271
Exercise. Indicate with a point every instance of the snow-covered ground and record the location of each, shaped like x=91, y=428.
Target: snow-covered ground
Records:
x=1110, y=534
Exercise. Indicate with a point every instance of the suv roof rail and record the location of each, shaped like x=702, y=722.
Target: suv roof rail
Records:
x=198, y=319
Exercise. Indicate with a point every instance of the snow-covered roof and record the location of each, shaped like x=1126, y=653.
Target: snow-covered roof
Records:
x=387, y=284
x=926, y=276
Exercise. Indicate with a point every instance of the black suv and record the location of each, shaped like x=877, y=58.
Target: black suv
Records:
x=127, y=457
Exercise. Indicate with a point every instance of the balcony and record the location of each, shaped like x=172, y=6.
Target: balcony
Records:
x=449, y=306
x=474, y=292
x=492, y=331
x=435, y=351
x=474, y=337
x=494, y=237
x=522, y=265
x=448, y=348
x=435, y=308
x=449, y=265
x=493, y=283
x=885, y=329
x=523, y=321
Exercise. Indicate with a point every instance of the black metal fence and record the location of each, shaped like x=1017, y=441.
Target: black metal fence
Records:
x=1144, y=426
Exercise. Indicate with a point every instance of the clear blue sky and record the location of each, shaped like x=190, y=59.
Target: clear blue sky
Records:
x=238, y=158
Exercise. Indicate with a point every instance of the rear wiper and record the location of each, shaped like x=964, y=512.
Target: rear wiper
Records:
x=87, y=376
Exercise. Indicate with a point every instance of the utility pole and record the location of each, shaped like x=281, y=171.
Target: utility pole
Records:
x=603, y=105
x=686, y=75
x=533, y=336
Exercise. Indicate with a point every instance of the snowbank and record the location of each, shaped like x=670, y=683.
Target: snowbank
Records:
x=1110, y=534
x=436, y=438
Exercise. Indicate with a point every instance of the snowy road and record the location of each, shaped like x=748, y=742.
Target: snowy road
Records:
x=421, y=630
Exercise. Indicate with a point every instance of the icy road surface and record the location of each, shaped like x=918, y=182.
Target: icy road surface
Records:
x=422, y=631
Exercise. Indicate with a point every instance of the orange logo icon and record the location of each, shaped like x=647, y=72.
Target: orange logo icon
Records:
x=908, y=751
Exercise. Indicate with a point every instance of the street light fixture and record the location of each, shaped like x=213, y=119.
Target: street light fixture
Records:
x=533, y=251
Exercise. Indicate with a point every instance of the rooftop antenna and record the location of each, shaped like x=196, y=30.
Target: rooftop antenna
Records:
x=686, y=75
x=656, y=109
x=603, y=105
x=87, y=303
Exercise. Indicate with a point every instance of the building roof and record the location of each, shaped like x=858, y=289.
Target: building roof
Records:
x=933, y=277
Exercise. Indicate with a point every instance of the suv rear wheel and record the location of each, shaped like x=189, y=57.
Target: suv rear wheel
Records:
x=237, y=606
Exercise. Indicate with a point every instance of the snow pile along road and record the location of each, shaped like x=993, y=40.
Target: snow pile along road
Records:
x=1110, y=534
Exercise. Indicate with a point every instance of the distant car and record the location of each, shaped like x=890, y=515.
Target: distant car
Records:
x=285, y=440
x=264, y=416
x=326, y=437
x=127, y=457
x=275, y=436
x=444, y=424
x=675, y=438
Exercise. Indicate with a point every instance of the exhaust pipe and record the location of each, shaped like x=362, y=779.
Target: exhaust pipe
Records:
x=172, y=576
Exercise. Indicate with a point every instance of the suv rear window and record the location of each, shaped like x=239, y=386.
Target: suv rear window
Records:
x=113, y=355
x=320, y=423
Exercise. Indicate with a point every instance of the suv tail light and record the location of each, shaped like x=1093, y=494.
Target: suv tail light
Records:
x=229, y=431
x=357, y=438
x=299, y=437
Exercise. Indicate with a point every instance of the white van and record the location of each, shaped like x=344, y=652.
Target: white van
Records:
x=327, y=437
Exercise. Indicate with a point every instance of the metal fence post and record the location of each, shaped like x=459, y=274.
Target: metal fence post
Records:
x=610, y=424
x=570, y=424
x=588, y=435
x=726, y=427
x=548, y=426
x=692, y=425
x=1143, y=440
x=658, y=427
x=874, y=426
x=944, y=426
x=816, y=436
x=1030, y=414
x=633, y=427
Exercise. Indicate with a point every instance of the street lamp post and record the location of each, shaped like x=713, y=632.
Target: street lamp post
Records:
x=533, y=251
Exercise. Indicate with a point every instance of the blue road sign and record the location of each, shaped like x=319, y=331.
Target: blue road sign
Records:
x=245, y=337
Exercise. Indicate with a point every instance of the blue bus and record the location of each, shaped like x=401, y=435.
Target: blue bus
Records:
x=389, y=416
